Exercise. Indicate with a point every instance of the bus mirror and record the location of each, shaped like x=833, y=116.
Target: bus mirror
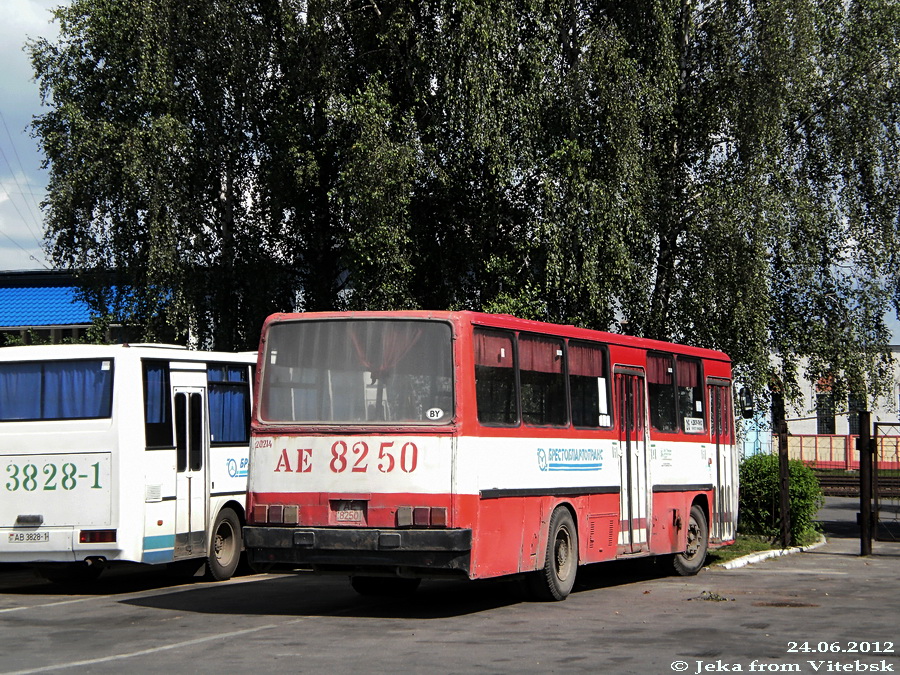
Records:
x=745, y=396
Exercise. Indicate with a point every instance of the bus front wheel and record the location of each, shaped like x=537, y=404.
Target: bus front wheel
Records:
x=556, y=579
x=225, y=546
x=691, y=561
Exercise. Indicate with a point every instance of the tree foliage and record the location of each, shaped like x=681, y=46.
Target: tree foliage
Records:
x=719, y=173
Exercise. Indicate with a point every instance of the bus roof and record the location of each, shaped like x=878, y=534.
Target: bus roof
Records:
x=511, y=323
x=146, y=350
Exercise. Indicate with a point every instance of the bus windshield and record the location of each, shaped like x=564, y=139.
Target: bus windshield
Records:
x=358, y=371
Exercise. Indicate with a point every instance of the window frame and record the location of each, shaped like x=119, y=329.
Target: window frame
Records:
x=514, y=369
x=229, y=385
x=701, y=386
x=610, y=407
x=673, y=386
x=165, y=441
x=563, y=378
x=269, y=383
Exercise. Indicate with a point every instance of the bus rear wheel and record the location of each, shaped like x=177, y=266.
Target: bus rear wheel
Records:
x=691, y=560
x=556, y=579
x=225, y=546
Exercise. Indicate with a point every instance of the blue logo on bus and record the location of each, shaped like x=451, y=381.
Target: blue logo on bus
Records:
x=238, y=471
x=570, y=459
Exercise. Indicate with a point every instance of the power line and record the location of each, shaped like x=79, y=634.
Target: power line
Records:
x=25, y=251
x=15, y=177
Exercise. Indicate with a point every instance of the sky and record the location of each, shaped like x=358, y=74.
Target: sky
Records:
x=22, y=181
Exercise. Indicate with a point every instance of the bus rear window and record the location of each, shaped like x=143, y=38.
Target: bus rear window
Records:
x=375, y=371
x=55, y=390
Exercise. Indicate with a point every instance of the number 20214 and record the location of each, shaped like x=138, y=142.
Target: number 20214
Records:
x=49, y=477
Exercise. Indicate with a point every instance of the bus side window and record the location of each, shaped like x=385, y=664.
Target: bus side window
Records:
x=181, y=432
x=542, y=380
x=495, y=378
x=589, y=385
x=690, y=396
x=157, y=405
x=661, y=391
x=196, y=432
x=229, y=403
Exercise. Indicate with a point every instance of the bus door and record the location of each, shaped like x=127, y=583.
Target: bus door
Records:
x=633, y=497
x=190, y=479
x=722, y=428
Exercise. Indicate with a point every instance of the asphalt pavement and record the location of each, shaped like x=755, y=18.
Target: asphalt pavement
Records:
x=826, y=610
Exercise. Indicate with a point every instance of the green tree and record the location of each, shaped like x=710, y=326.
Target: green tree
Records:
x=719, y=173
x=151, y=145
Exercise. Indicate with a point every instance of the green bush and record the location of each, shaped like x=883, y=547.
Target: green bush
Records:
x=760, y=498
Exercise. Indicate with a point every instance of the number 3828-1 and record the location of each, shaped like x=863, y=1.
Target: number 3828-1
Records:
x=50, y=477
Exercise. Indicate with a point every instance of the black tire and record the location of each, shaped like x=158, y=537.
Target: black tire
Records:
x=391, y=587
x=556, y=579
x=691, y=560
x=224, y=546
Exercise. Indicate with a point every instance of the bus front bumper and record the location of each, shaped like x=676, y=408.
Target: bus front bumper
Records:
x=414, y=552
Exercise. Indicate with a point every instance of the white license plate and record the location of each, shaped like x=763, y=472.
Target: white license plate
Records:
x=349, y=516
x=28, y=537
x=348, y=512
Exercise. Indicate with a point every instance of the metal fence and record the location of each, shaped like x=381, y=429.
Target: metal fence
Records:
x=839, y=452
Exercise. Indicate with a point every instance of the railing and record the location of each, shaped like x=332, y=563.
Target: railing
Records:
x=839, y=452
x=848, y=486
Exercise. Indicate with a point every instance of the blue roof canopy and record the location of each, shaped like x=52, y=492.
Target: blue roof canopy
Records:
x=40, y=304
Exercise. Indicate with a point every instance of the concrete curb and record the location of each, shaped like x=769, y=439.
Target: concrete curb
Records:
x=765, y=555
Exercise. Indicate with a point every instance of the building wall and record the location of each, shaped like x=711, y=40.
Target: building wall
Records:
x=804, y=418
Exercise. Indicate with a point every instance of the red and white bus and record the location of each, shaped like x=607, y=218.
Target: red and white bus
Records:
x=396, y=446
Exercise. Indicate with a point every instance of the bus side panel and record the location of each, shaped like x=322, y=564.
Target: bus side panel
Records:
x=511, y=535
x=668, y=531
x=598, y=528
x=498, y=540
x=158, y=537
x=228, y=466
x=671, y=511
x=688, y=461
x=518, y=483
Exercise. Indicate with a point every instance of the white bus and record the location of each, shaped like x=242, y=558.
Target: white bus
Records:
x=122, y=453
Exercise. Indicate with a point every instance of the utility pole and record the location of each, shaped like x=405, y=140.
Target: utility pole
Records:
x=784, y=483
x=864, y=445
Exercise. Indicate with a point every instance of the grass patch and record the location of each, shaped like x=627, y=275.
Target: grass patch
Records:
x=745, y=544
